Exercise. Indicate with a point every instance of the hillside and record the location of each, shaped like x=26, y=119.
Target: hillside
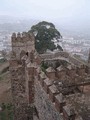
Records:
x=5, y=85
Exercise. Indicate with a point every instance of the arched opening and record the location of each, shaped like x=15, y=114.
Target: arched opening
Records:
x=27, y=53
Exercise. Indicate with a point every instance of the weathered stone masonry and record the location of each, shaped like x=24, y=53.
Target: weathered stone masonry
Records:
x=44, y=95
x=22, y=82
x=46, y=109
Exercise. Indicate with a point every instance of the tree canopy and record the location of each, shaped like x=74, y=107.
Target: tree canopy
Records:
x=45, y=35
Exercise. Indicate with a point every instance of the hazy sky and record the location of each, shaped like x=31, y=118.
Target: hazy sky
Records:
x=62, y=10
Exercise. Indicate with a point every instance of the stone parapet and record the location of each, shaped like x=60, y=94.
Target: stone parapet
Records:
x=69, y=113
x=47, y=84
x=52, y=92
x=22, y=37
x=51, y=73
x=59, y=102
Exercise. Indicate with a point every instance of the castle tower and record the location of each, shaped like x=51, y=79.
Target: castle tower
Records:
x=22, y=45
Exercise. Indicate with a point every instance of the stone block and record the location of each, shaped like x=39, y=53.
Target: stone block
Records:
x=50, y=72
x=60, y=74
x=52, y=92
x=68, y=113
x=42, y=77
x=47, y=84
x=61, y=71
x=59, y=102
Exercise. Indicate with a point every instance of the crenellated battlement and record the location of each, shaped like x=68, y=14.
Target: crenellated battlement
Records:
x=22, y=43
x=22, y=37
x=59, y=91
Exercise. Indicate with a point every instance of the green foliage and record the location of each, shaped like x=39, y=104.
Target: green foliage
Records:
x=2, y=60
x=44, y=66
x=43, y=69
x=44, y=33
x=7, y=112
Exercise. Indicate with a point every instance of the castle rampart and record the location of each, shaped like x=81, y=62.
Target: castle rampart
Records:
x=50, y=93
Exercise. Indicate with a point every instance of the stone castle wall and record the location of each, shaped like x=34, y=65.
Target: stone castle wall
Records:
x=75, y=61
x=50, y=102
x=18, y=83
x=36, y=93
x=46, y=109
x=54, y=55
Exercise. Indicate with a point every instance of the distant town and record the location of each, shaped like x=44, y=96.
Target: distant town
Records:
x=74, y=44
